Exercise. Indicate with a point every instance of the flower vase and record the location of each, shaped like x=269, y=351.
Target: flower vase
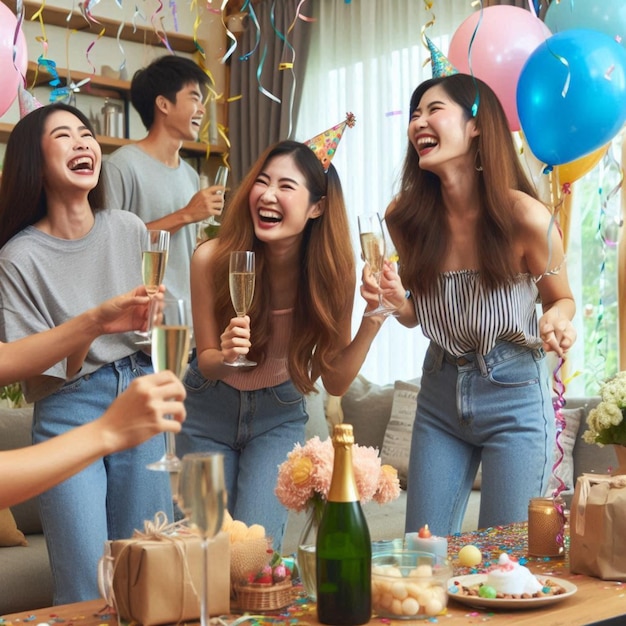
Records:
x=620, y=453
x=306, y=549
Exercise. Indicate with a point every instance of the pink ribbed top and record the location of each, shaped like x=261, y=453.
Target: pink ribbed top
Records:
x=274, y=370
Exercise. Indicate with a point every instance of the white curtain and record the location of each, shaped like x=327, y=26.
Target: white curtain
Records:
x=367, y=57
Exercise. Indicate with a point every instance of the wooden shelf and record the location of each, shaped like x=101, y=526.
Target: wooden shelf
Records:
x=55, y=16
x=109, y=144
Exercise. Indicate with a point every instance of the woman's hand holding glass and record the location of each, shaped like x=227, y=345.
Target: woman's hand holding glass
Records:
x=170, y=351
x=374, y=250
x=155, y=248
x=241, y=284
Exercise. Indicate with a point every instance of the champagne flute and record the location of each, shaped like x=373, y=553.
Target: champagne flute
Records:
x=202, y=498
x=373, y=248
x=170, y=351
x=241, y=283
x=206, y=226
x=155, y=247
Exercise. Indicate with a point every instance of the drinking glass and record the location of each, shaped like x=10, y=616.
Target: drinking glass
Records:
x=202, y=498
x=205, y=226
x=241, y=284
x=155, y=247
x=170, y=351
x=373, y=248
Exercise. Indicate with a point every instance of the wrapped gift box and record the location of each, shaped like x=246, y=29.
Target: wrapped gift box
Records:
x=597, y=522
x=157, y=579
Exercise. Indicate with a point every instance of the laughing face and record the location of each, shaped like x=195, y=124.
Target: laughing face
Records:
x=280, y=203
x=184, y=117
x=440, y=131
x=71, y=154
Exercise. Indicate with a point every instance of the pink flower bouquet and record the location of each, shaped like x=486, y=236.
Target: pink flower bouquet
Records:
x=304, y=478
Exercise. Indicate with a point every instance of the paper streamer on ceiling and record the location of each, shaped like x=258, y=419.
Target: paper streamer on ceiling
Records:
x=469, y=60
x=157, y=23
x=229, y=34
x=42, y=39
x=288, y=65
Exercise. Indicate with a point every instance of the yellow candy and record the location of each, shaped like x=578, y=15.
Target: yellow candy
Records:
x=469, y=556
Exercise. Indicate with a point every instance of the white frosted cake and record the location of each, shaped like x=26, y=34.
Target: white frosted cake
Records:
x=511, y=578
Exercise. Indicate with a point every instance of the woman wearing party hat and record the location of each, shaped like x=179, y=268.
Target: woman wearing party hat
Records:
x=477, y=251
x=289, y=210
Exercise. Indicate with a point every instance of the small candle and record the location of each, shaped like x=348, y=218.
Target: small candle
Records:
x=425, y=541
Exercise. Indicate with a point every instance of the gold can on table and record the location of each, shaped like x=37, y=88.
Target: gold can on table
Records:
x=546, y=527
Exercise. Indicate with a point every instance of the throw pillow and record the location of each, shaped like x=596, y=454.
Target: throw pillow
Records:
x=10, y=535
x=367, y=407
x=397, y=442
x=565, y=470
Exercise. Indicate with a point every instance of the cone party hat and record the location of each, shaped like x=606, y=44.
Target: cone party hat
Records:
x=27, y=101
x=440, y=64
x=325, y=144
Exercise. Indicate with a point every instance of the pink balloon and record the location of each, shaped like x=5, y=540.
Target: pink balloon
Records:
x=506, y=36
x=10, y=77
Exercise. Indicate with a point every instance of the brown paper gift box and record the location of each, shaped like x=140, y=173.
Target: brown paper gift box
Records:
x=597, y=523
x=158, y=580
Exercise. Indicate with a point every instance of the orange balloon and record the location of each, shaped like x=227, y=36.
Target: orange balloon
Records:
x=569, y=172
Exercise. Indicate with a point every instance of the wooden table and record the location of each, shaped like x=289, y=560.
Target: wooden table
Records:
x=595, y=601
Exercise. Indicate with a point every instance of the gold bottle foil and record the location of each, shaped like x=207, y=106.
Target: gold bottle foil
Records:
x=546, y=523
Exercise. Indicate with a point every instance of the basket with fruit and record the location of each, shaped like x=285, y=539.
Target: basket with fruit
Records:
x=268, y=589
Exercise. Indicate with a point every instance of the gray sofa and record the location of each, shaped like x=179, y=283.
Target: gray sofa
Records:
x=25, y=578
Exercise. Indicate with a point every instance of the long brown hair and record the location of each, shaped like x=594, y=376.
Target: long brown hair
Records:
x=326, y=259
x=22, y=193
x=417, y=222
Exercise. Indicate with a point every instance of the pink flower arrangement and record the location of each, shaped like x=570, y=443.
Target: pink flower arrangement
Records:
x=304, y=478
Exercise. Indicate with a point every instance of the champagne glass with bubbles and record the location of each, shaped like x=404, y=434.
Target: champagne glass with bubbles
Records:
x=155, y=247
x=202, y=498
x=373, y=248
x=241, y=283
x=206, y=226
x=170, y=351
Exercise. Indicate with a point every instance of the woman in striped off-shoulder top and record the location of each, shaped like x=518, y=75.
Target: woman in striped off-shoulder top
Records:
x=478, y=252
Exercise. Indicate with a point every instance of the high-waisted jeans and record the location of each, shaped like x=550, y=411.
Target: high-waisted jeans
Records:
x=255, y=430
x=494, y=408
x=107, y=500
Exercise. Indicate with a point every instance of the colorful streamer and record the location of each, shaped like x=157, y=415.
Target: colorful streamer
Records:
x=229, y=34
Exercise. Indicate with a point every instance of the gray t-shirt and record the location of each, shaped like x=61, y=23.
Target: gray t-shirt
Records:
x=45, y=281
x=141, y=184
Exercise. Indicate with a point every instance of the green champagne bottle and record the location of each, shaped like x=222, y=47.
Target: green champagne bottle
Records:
x=343, y=552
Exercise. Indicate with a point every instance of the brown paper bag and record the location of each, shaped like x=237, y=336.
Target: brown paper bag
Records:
x=597, y=523
x=157, y=579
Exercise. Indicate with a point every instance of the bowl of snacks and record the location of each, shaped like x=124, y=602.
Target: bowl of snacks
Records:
x=407, y=584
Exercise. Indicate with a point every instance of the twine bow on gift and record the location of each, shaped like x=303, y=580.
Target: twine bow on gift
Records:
x=158, y=529
x=586, y=481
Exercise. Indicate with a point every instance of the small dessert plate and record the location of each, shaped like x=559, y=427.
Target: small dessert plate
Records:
x=474, y=580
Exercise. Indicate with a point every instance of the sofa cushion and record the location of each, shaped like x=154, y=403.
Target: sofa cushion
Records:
x=10, y=535
x=397, y=441
x=367, y=407
x=316, y=424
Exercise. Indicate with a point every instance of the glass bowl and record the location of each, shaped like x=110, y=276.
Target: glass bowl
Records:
x=409, y=585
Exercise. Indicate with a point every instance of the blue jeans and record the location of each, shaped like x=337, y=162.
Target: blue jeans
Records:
x=255, y=430
x=107, y=500
x=496, y=409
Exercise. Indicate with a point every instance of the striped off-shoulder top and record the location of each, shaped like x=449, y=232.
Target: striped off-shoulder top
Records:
x=461, y=315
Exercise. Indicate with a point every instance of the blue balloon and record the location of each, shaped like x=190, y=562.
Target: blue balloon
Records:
x=605, y=16
x=571, y=95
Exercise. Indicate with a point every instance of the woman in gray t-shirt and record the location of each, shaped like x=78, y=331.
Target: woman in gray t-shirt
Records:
x=62, y=253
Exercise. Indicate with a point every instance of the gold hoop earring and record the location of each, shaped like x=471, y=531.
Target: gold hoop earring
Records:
x=477, y=166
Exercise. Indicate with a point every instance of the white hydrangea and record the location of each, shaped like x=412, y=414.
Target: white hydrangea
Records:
x=610, y=411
